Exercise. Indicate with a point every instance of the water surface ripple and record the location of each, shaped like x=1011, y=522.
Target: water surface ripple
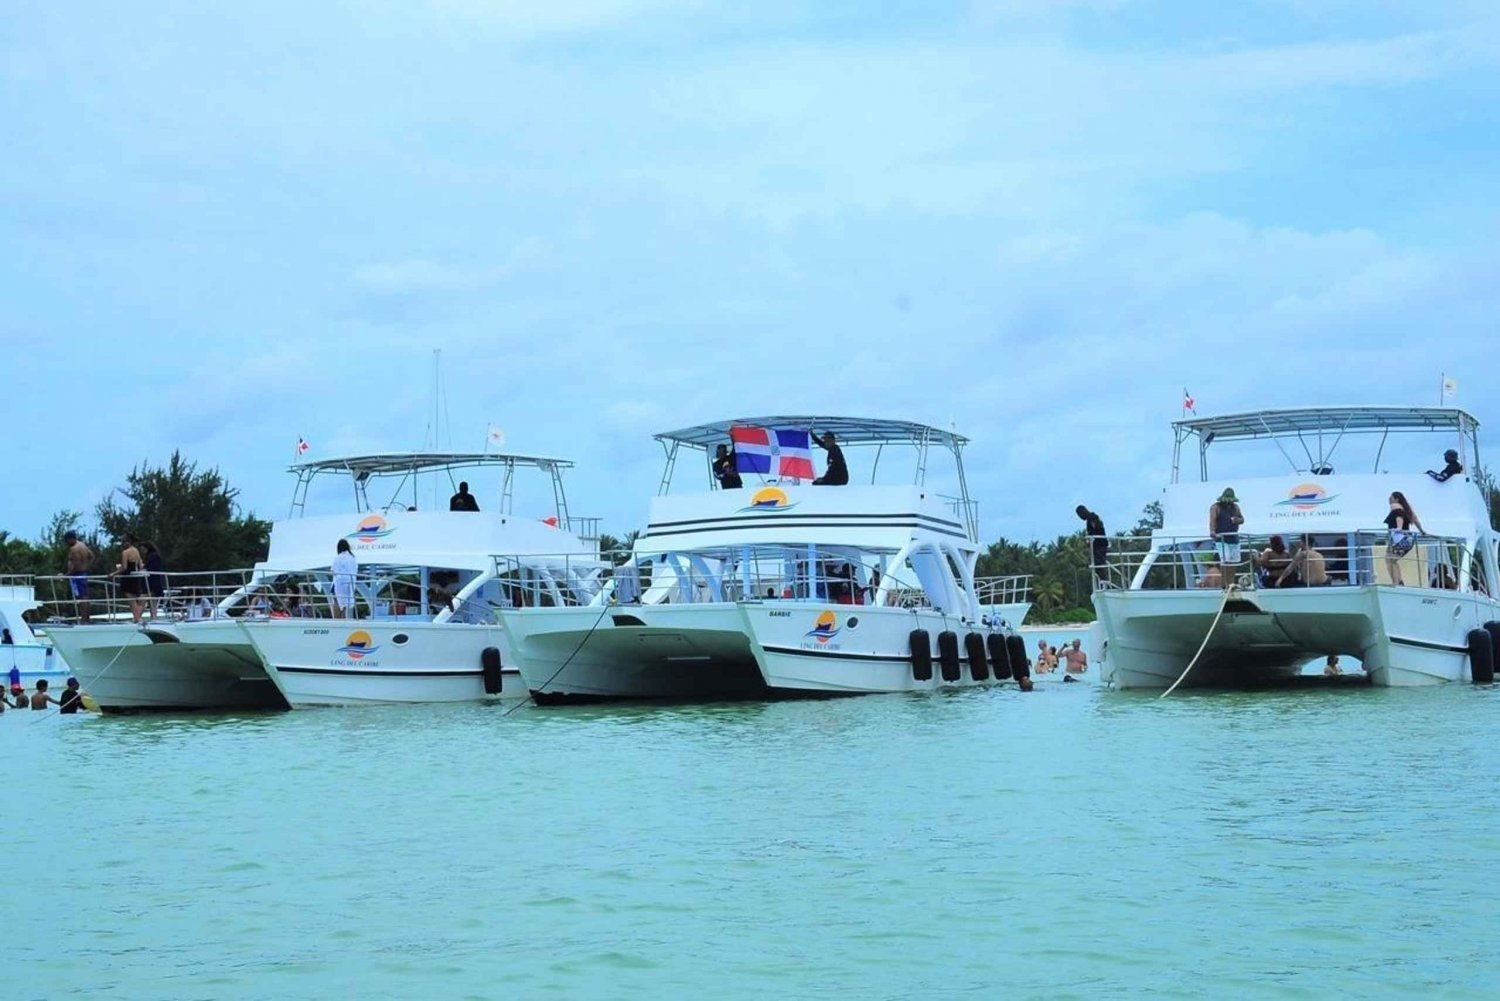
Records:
x=1067, y=843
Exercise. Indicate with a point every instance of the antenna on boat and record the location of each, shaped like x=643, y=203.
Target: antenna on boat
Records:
x=439, y=432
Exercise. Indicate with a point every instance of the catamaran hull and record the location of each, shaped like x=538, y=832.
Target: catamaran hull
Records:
x=360, y=662
x=850, y=649
x=195, y=665
x=749, y=650
x=1403, y=636
x=593, y=654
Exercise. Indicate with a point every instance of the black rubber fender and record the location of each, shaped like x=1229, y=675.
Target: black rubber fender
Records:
x=921, y=655
x=979, y=662
x=489, y=663
x=999, y=656
x=1481, y=656
x=948, y=655
x=1020, y=666
x=1493, y=628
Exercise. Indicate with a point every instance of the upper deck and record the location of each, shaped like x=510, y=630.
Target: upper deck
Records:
x=1315, y=434
x=398, y=511
x=889, y=463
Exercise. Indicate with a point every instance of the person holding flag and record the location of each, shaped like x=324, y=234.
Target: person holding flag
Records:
x=837, y=474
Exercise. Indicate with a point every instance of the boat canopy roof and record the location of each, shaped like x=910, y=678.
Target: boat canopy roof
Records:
x=1338, y=420
x=848, y=431
x=1318, y=431
x=405, y=463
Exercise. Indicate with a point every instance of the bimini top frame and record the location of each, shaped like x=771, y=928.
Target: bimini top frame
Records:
x=361, y=469
x=1318, y=430
x=853, y=432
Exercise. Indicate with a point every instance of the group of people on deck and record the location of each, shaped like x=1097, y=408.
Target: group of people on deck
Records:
x=140, y=575
x=727, y=473
x=1304, y=565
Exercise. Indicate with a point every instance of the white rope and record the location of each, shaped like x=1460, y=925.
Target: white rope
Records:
x=84, y=691
x=1232, y=589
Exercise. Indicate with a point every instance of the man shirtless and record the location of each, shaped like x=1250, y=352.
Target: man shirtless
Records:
x=1308, y=565
x=80, y=559
x=1078, y=661
x=1046, y=661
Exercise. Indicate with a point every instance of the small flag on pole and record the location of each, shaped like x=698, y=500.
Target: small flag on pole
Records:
x=1450, y=387
x=1187, y=402
x=302, y=446
x=496, y=436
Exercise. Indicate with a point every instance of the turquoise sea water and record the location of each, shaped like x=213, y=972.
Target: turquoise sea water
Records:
x=1070, y=842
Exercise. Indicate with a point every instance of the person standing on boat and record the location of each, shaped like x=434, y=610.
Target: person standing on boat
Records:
x=724, y=469
x=1403, y=523
x=131, y=576
x=345, y=568
x=1224, y=521
x=837, y=474
x=1453, y=468
x=156, y=577
x=463, y=500
x=1093, y=527
x=79, y=559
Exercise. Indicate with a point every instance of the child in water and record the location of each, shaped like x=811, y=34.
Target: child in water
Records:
x=40, y=698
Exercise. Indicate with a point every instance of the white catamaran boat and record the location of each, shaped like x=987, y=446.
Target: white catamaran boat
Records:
x=781, y=587
x=421, y=625
x=1328, y=579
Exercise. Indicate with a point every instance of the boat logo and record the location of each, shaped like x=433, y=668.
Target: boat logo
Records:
x=769, y=499
x=1306, y=497
x=371, y=528
x=359, y=645
x=825, y=627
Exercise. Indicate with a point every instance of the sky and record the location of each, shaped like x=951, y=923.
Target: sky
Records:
x=225, y=227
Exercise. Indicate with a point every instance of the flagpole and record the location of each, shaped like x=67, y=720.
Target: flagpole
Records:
x=1442, y=385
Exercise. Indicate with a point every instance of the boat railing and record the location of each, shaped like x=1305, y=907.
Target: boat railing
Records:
x=752, y=574
x=100, y=598
x=1011, y=590
x=1362, y=557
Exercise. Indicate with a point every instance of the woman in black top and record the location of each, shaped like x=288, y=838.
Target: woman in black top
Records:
x=1403, y=523
x=156, y=578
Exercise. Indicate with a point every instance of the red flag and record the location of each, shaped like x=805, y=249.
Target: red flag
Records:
x=1187, y=401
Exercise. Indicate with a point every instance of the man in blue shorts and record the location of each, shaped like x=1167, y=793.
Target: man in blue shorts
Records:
x=80, y=559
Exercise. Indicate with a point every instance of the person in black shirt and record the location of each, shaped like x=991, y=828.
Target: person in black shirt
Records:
x=463, y=500
x=1453, y=468
x=1093, y=527
x=72, y=699
x=724, y=469
x=837, y=474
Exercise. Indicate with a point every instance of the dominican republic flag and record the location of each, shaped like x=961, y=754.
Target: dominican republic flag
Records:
x=302, y=446
x=783, y=452
x=1187, y=402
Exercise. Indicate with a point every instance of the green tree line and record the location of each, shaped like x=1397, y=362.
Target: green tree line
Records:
x=1061, y=579
x=191, y=515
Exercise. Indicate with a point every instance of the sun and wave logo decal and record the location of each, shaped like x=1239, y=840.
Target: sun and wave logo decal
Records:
x=769, y=499
x=825, y=627
x=371, y=529
x=1306, y=497
x=359, y=645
